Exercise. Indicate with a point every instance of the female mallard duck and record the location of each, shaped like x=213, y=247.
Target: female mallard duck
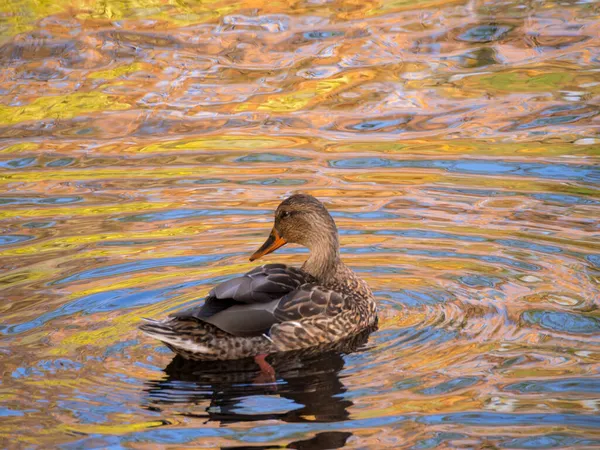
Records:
x=276, y=308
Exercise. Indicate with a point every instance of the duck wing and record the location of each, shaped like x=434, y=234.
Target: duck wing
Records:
x=246, y=305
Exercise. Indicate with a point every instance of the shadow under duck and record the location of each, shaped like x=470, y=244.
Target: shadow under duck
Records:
x=275, y=307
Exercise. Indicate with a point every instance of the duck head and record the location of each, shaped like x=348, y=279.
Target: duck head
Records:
x=304, y=220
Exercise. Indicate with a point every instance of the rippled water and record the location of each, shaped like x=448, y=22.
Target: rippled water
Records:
x=146, y=143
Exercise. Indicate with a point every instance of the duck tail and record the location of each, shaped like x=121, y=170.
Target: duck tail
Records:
x=176, y=335
x=159, y=329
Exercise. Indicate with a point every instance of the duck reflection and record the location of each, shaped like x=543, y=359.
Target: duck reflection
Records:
x=321, y=441
x=232, y=391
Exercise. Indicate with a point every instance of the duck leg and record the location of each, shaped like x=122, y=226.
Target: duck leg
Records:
x=267, y=373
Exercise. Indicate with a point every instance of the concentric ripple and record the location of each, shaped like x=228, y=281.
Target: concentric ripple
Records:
x=145, y=145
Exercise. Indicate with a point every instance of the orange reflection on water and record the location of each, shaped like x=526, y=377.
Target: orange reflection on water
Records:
x=145, y=145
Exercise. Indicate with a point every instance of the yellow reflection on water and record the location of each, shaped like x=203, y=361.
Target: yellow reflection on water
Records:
x=145, y=145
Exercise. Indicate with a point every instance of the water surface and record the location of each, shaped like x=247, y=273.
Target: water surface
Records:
x=145, y=144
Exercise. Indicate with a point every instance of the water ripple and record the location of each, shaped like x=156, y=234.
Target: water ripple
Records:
x=146, y=144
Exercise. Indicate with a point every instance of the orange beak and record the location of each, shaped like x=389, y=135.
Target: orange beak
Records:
x=273, y=242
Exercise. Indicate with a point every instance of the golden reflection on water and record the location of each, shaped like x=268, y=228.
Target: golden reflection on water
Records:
x=145, y=145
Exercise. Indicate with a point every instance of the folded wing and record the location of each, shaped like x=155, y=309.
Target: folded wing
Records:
x=248, y=305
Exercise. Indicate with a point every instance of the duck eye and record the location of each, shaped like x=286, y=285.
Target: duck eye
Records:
x=285, y=214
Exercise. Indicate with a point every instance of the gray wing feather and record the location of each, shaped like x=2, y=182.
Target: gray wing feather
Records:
x=245, y=306
x=229, y=288
x=262, y=284
x=245, y=320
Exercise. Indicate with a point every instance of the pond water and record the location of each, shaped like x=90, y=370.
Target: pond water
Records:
x=145, y=144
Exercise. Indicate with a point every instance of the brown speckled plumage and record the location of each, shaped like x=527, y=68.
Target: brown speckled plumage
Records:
x=276, y=308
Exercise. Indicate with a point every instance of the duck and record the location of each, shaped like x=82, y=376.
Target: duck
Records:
x=276, y=307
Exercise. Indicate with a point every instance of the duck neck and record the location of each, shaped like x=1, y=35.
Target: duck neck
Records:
x=324, y=258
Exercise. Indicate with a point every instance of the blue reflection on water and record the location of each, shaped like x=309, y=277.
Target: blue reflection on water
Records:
x=529, y=246
x=566, y=199
x=483, y=167
x=505, y=419
x=266, y=433
x=141, y=265
x=544, y=118
x=269, y=157
x=428, y=234
x=9, y=239
x=563, y=321
x=6, y=412
x=99, y=302
x=485, y=33
x=376, y=125
x=437, y=440
x=274, y=182
x=40, y=200
x=323, y=34
x=107, y=301
x=17, y=163
x=550, y=441
x=61, y=162
x=480, y=281
x=413, y=298
x=173, y=214
x=594, y=260
x=450, y=386
x=553, y=385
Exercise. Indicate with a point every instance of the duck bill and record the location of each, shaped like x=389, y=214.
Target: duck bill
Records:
x=273, y=242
